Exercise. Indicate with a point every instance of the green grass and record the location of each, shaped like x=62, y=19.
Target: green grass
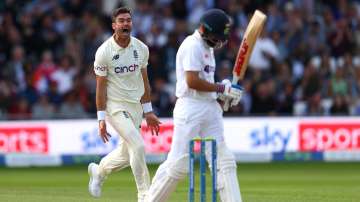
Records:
x=275, y=182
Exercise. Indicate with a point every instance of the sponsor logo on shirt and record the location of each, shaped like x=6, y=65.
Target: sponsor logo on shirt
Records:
x=115, y=57
x=209, y=69
x=100, y=68
x=125, y=69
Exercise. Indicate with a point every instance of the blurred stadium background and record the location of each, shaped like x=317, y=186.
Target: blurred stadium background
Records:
x=299, y=119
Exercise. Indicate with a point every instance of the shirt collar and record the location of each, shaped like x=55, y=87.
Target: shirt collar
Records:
x=117, y=45
x=198, y=36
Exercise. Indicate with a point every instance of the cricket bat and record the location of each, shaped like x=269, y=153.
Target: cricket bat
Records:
x=251, y=34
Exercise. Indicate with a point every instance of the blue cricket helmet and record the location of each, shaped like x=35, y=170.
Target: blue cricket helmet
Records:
x=216, y=23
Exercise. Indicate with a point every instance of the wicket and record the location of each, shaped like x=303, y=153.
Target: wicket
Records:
x=202, y=168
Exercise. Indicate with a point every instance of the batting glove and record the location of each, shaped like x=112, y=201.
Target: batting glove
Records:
x=231, y=92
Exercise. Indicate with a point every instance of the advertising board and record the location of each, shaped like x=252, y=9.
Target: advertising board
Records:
x=242, y=135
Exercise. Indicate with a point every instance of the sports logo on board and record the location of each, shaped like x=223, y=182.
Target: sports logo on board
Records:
x=23, y=139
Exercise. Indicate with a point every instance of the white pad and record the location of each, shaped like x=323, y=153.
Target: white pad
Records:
x=228, y=185
x=165, y=182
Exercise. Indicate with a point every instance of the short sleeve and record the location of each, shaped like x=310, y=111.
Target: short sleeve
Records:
x=146, y=58
x=100, y=63
x=192, y=59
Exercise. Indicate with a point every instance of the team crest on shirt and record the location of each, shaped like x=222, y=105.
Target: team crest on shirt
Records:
x=136, y=56
x=209, y=69
x=115, y=57
x=126, y=114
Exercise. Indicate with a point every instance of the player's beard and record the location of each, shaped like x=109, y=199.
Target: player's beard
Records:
x=215, y=44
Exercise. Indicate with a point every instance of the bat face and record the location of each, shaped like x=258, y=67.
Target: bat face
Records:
x=240, y=60
x=252, y=32
x=250, y=36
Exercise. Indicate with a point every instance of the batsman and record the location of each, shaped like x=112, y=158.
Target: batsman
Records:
x=197, y=111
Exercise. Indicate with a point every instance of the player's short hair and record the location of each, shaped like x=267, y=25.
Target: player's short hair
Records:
x=119, y=11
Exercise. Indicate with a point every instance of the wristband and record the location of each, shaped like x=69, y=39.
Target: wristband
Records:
x=147, y=107
x=220, y=88
x=101, y=115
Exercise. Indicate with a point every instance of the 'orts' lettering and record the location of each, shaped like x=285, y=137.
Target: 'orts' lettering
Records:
x=23, y=139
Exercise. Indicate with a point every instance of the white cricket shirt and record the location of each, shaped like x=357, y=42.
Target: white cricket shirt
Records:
x=121, y=66
x=194, y=55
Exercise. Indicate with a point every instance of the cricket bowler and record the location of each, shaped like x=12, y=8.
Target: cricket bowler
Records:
x=122, y=97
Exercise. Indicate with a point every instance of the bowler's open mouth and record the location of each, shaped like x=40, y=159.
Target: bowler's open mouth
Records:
x=126, y=30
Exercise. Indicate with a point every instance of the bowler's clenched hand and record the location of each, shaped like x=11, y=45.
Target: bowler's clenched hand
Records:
x=102, y=131
x=153, y=123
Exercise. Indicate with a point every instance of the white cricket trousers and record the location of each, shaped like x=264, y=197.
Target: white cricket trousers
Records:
x=192, y=118
x=130, y=150
x=195, y=117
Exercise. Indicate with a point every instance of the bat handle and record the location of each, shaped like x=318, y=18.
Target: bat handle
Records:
x=226, y=105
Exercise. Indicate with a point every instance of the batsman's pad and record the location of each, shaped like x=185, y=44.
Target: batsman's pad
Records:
x=165, y=183
x=228, y=185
